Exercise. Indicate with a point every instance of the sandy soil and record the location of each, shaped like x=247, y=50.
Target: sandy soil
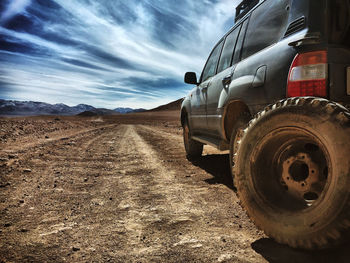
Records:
x=119, y=189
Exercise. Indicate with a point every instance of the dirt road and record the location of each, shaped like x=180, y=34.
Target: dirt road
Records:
x=118, y=192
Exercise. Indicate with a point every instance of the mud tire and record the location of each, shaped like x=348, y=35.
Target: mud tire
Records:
x=319, y=131
x=193, y=148
x=237, y=132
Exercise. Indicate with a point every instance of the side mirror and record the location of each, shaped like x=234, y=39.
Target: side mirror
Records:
x=191, y=78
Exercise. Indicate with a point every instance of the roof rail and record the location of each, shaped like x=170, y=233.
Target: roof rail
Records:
x=244, y=7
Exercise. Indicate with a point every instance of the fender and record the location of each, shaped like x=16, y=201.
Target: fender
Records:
x=236, y=89
x=185, y=109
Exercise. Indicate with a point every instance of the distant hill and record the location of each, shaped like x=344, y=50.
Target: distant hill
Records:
x=128, y=110
x=175, y=105
x=96, y=112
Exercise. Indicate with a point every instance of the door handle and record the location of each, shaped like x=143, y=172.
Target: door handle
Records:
x=227, y=80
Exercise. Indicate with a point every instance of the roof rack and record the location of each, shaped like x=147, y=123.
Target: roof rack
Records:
x=244, y=7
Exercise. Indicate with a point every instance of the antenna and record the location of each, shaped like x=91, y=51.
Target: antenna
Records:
x=244, y=7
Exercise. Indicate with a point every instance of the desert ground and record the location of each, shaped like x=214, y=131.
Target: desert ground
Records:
x=120, y=189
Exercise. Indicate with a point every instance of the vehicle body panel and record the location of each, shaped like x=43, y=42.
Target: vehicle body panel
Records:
x=277, y=31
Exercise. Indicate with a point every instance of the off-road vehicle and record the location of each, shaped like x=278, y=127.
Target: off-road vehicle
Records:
x=275, y=92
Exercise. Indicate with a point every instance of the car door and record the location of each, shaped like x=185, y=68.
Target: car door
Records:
x=220, y=82
x=200, y=96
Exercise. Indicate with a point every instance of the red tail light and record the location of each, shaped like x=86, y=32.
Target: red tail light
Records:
x=308, y=75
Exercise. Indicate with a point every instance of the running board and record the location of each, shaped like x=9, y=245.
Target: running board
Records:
x=219, y=144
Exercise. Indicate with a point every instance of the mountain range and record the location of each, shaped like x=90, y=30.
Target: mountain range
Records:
x=31, y=108
x=128, y=110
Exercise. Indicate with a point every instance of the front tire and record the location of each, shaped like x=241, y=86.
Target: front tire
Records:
x=292, y=172
x=193, y=148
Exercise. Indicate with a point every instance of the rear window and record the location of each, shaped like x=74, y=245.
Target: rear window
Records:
x=267, y=26
x=238, y=50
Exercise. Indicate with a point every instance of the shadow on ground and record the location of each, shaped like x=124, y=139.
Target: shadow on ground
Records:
x=218, y=166
x=278, y=253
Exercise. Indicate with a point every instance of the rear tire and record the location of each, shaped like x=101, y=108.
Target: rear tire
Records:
x=193, y=148
x=292, y=172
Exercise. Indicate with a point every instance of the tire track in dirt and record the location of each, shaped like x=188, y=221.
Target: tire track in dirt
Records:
x=220, y=222
x=167, y=215
x=154, y=202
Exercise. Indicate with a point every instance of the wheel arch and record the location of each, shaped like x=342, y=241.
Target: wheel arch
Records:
x=185, y=110
x=231, y=112
x=183, y=116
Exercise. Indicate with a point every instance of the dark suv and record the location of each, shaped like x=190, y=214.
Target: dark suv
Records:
x=275, y=92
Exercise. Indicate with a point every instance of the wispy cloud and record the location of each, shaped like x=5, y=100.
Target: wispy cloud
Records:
x=14, y=7
x=106, y=53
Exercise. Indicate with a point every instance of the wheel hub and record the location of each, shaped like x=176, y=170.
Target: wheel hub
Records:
x=301, y=177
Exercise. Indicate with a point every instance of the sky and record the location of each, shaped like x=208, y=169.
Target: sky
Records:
x=106, y=53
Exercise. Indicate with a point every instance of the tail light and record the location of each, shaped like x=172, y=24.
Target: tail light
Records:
x=308, y=75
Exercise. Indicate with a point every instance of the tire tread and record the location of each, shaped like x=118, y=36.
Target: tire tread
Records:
x=339, y=114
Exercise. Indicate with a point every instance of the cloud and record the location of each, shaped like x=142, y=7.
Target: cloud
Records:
x=14, y=7
x=107, y=53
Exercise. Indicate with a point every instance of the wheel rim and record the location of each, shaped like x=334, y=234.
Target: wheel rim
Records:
x=290, y=169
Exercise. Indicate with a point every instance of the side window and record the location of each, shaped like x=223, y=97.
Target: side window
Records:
x=210, y=68
x=227, y=51
x=237, y=54
x=267, y=26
